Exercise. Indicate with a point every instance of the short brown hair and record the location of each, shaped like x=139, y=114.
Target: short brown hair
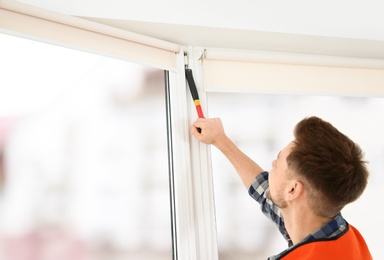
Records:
x=330, y=163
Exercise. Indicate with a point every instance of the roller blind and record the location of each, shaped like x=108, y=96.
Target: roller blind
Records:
x=47, y=26
x=266, y=72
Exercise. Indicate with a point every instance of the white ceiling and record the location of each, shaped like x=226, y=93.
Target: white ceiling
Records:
x=342, y=27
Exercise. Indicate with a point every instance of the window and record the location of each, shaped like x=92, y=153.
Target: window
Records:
x=193, y=206
x=84, y=171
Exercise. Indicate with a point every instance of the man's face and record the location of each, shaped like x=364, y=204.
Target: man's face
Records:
x=278, y=177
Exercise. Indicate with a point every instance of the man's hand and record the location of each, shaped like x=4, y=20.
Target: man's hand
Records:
x=212, y=131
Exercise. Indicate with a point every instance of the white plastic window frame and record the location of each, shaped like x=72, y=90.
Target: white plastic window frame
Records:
x=194, y=230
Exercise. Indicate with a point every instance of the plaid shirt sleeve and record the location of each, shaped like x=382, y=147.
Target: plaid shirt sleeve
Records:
x=258, y=191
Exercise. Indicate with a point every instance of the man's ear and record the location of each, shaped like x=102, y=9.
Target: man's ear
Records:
x=294, y=190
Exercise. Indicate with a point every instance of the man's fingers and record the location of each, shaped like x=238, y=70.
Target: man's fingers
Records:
x=199, y=122
x=195, y=130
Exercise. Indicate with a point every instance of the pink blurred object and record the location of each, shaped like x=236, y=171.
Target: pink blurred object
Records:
x=6, y=126
x=44, y=245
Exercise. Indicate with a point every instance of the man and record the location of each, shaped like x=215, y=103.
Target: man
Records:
x=311, y=180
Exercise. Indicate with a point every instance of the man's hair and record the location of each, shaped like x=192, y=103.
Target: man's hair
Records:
x=330, y=165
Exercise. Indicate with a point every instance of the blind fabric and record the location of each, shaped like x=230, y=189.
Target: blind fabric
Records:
x=78, y=33
x=262, y=72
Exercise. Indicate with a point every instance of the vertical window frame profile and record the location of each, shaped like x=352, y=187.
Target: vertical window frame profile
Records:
x=193, y=186
x=203, y=199
x=171, y=172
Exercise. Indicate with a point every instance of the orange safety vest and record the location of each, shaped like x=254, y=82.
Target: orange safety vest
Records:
x=350, y=245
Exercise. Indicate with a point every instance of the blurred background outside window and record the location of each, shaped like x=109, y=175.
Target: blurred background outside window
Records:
x=83, y=156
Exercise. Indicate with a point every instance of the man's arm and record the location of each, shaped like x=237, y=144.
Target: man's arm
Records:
x=212, y=132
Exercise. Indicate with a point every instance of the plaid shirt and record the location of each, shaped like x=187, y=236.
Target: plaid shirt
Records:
x=258, y=191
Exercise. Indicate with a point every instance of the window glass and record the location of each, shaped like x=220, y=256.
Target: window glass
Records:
x=261, y=125
x=83, y=156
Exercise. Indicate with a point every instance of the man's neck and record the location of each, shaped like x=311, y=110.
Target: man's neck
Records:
x=301, y=223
